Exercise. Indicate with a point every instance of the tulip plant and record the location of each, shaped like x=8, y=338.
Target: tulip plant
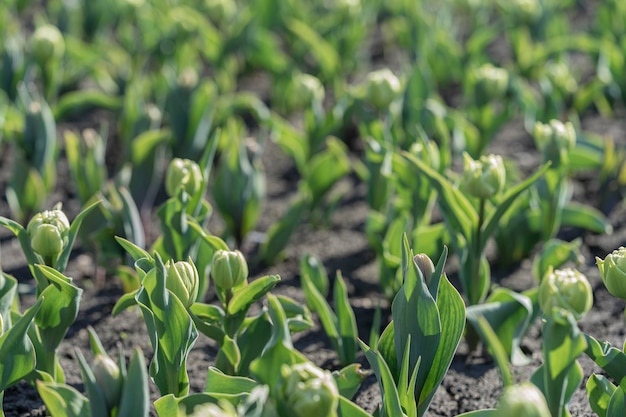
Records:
x=470, y=228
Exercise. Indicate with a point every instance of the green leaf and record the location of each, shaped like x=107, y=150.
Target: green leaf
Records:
x=314, y=270
x=347, y=408
x=172, y=406
x=218, y=382
x=323, y=52
x=125, y=301
x=79, y=102
x=326, y=168
x=346, y=322
x=17, y=355
x=97, y=401
x=251, y=293
x=61, y=263
x=458, y=210
x=349, y=379
x=496, y=349
x=492, y=220
x=135, y=400
x=391, y=399
x=62, y=400
x=617, y=405
x=23, y=237
x=599, y=392
x=59, y=308
x=133, y=250
x=610, y=359
x=586, y=217
x=8, y=291
x=509, y=314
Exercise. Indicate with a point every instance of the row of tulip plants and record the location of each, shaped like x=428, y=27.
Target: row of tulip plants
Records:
x=168, y=78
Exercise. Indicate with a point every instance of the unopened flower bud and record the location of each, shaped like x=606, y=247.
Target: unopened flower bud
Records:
x=425, y=265
x=108, y=379
x=308, y=391
x=613, y=272
x=523, y=400
x=303, y=90
x=490, y=82
x=567, y=289
x=229, y=269
x=483, y=178
x=182, y=279
x=48, y=232
x=555, y=140
x=47, y=43
x=183, y=173
x=382, y=87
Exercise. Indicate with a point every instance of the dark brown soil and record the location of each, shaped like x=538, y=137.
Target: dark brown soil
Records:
x=472, y=382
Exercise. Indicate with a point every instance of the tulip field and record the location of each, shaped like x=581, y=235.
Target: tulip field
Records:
x=329, y=208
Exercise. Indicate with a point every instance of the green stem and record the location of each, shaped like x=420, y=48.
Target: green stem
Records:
x=474, y=296
x=1, y=403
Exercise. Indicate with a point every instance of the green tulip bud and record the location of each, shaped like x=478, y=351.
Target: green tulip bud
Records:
x=567, y=289
x=224, y=409
x=47, y=43
x=48, y=232
x=483, y=178
x=109, y=379
x=183, y=173
x=182, y=279
x=555, y=140
x=523, y=400
x=613, y=272
x=425, y=265
x=303, y=90
x=306, y=391
x=229, y=269
x=382, y=87
x=561, y=78
x=490, y=82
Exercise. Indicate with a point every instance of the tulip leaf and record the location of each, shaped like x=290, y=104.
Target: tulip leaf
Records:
x=62, y=400
x=610, y=359
x=586, y=217
x=133, y=250
x=326, y=168
x=492, y=220
x=125, y=301
x=599, y=391
x=17, y=355
x=61, y=262
x=617, y=404
x=218, y=382
x=323, y=52
x=23, y=237
x=97, y=400
x=391, y=399
x=251, y=293
x=135, y=400
x=458, y=210
x=349, y=379
x=481, y=413
x=172, y=406
x=314, y=270
x=347, y=408
x=509, y=315
x=496, y=349
x=8, y=290
x=346, y=322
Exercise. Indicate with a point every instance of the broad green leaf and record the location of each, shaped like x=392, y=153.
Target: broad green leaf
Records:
x=349, y=379
x=451, y=310
x=125, y=301
x=22, y=236
x=586, y=217
x=133, y=250
x=97, y=401
x=347, y=408
x=617, y=405
x=481, y=413
x=599, y=392
x=391, y=400
x=17, y=355
x=63, y=400
x=326, y=168
x=251, y=293
x=8, y=291
x=320, y=306
x=172, y=406
x=81, y=101
x=509, y=314
x=59, y=308
x=298, y=316
x=135, y=400
x=610, y=359
x=218, y=382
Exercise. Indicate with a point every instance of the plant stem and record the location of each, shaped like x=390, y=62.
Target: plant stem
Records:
x=477, y=256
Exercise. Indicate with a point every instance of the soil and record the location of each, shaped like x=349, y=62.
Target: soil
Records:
x=473, y=381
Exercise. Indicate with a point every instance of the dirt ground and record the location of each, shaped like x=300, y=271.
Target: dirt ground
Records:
x=472, y=382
